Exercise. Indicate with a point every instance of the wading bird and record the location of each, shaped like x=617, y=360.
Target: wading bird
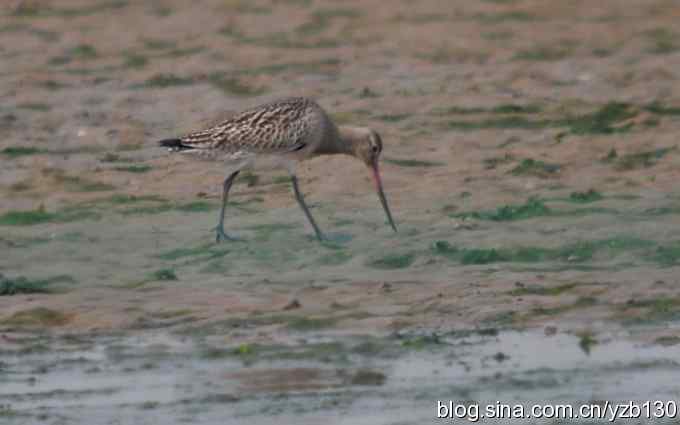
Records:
x=280, y=134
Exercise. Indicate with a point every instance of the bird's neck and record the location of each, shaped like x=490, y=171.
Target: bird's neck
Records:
x=341, y=140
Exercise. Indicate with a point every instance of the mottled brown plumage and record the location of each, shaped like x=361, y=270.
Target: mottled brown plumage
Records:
x=279, y=127
x=282, y=132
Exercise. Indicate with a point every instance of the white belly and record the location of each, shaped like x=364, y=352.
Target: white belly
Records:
x=264, y=163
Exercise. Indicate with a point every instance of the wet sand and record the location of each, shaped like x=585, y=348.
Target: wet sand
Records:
x=530, y=160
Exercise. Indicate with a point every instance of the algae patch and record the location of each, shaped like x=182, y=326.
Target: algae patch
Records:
x=134, y=168
x=543, y=290
x=17, y=151
x=646, y=159
x=393, y=261
x=609, y=118
x=533, y=207
x=585, y=197
x=536, y=168
x=23, y=285
x=40, y=216
x=39, y=316
x=165, y=274
x=310, y=323
x=573, y=253
x=667, y=255
x=412, y=162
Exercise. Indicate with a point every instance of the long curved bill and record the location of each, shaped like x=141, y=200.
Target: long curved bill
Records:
x=381, y=194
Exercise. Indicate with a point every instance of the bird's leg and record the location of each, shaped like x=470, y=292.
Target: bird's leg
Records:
x=221, y=235
x=301, y=201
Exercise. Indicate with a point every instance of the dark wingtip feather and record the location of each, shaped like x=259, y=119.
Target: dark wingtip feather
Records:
x=171, y=143
x=174, y=145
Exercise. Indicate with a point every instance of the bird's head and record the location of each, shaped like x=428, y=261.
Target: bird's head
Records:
x=366, y=145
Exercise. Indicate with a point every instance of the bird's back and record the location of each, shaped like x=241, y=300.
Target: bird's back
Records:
x=288, y=124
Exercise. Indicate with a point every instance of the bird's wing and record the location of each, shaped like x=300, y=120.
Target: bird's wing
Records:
x=271, y=128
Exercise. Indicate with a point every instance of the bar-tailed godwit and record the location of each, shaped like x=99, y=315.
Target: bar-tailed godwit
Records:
x=280, y=134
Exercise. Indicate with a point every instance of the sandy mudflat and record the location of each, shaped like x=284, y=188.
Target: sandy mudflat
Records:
x=531, y=160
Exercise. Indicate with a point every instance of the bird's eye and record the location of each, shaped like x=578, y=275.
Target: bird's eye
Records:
x=375, y=149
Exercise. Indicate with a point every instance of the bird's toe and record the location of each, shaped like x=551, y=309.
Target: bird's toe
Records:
x=222, y=236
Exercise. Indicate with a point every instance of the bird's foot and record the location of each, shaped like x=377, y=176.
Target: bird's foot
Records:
x=336, y=239
x=221, y=235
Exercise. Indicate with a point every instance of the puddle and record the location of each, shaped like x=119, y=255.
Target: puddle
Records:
x=159, y=378
x=516, y=205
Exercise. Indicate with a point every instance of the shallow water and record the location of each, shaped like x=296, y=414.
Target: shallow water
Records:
x=158, y=378
x=530, y=162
